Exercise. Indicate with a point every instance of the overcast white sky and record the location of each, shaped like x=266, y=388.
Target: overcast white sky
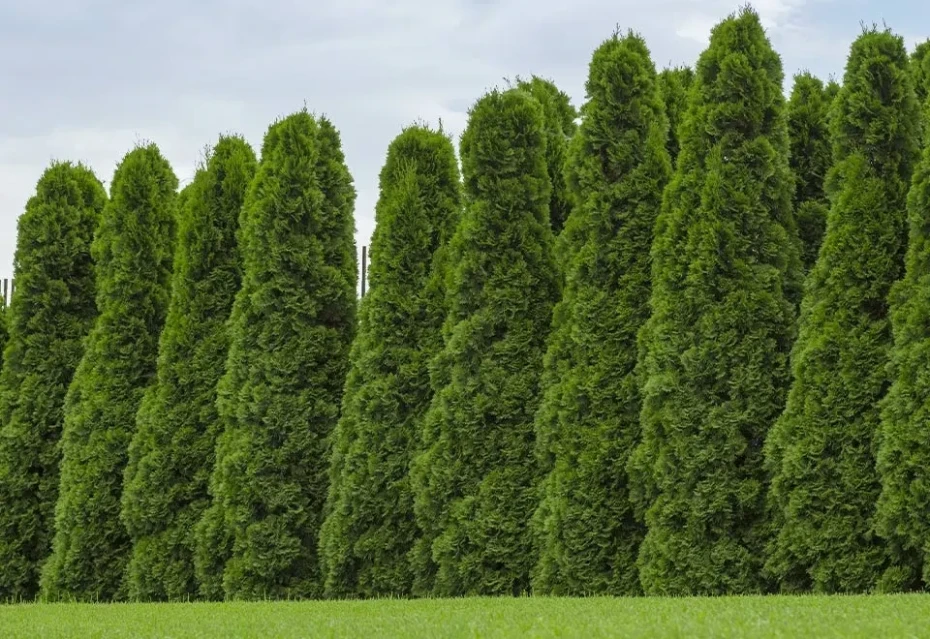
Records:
x=86, y=79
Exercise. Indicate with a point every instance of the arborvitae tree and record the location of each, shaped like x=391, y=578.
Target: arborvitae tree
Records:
x=920, y=75
x=133, y=255
x=559, y=123
x=588, y=422
x=50, y=315
x=920, y=71
x=369, y=529
x=475, y=481
x=903, y=459
x=822, y=450
x=171, y=454
x=715, y=349
x=674, y=85
x=809, y=132
x=292, y=324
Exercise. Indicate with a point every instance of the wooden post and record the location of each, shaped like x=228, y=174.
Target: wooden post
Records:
x=5, y=283
x=364, y=268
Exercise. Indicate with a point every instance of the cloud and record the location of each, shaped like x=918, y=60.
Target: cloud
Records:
x=86, y=80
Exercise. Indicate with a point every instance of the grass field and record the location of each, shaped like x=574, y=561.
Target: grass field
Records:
x=756, y=617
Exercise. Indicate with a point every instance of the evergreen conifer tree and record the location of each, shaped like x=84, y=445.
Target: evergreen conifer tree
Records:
x=49, y=317
x=674, y=85
x=559, y=122
x=588, y=422
x=369, y=529
x=920, y=71
x=132, y=252
x=715, y=349
x=903, y=458
x=171, y=453
x=821, y=451
x=811, y=158
x=475, y=480
x=291, y=327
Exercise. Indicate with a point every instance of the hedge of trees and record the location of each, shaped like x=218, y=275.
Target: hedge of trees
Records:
x=672, y=341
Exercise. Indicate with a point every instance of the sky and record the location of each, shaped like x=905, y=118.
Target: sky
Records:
x=87, y=80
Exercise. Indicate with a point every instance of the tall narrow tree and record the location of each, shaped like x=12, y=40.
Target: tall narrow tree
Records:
x=715, y=349
x=559, y=124
x=903, y=458
x=811, y=158
x=292, y=324
x=369, y=529
x=674, y=84
x=49, y=317
x=588, y=422
x=171, y=453
x=821, y=451
x=475, y=481
x=920, y=71
x=133, y=255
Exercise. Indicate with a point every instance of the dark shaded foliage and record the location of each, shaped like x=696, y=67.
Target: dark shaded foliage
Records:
x=674, y=85
x=559, y=123
x=811, y=158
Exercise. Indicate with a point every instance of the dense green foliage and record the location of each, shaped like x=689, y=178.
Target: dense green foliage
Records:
x=588, y=421
x=715, y=349
x=291, y=327
x=559, y=123
x=171, y=454
x=370, y=527
x=674, y=85
x=920, y=71
x=4, y=333
x=811, y=158
x=821, y=451
x=903, y=458
x=51, y=313
x=132, y=252
x=475, y=481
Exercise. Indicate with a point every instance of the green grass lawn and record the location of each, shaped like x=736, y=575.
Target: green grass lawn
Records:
x=875, y=617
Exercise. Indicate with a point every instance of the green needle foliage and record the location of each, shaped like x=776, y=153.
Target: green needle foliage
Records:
x=291, y=327
x=903, y=458
x=920, y=74
x=475, y=481
x=49, y=317
x=822, y=451
x=133, y=255
x=920, y=71
x=171, y=454
x=811, y=158
x=674, y=85
x=715, y=349
x=588, y=422
x=370, y=527
x=559, y=122
x=4, y=334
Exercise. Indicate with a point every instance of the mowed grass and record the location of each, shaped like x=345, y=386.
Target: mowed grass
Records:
x=806, y=616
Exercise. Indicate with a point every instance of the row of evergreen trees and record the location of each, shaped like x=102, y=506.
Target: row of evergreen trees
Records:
x=678, y=348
